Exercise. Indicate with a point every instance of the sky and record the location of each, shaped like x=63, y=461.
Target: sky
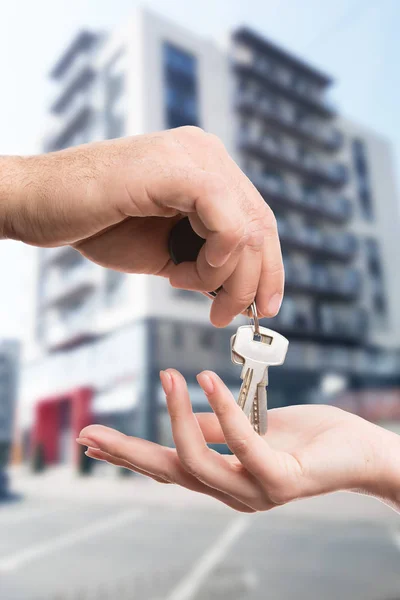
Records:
x=356, y=41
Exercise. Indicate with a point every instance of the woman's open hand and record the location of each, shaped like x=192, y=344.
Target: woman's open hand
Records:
x=308, y=451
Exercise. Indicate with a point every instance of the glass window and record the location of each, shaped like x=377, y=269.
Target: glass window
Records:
x=114, y=81
x=360, y=165
x=180, y=79
x=379, y=303
x=114, y=286
x=189, y=295
x=373, y=258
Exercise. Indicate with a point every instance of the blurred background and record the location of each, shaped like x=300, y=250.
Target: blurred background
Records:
x=305, y=98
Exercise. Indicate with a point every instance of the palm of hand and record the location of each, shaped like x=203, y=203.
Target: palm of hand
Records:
x=308, y=450
x=317, y=449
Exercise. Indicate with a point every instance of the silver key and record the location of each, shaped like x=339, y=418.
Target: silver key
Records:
x=258, y=415
x=257, y=352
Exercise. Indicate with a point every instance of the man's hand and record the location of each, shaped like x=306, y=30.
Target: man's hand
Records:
x=116, y=202
x=308, y=451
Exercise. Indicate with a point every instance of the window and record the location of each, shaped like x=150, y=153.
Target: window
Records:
x=207, y=338
x=177, y=336
x=310, y=192
x=114, y=286
x=300, y=116
x=180, y=78
x=373, y=258
x=189, y=295
x=274, y=180
x=360, y=165
x=114, y=92
x=379, y=304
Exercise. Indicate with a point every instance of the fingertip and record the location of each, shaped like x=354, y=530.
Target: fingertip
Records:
x=206, y=382
x=274, y=305
x=90, y=430
x=177, y=379
x=218, y=314
x=166, y=382
x=210, y=381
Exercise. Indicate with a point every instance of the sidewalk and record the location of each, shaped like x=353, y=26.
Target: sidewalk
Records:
x=106, y=486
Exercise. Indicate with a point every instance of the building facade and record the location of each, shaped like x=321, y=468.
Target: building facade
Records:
x=9, y=376
x=328, y=181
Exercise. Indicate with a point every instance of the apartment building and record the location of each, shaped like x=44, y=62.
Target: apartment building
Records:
x=9, y=369
x=104, y=335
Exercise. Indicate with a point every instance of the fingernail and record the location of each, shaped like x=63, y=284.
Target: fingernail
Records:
x=218, y=261
x=274, y=304
x=90, y=455
x=206, y=383
x=166, y=382
x=87, y=442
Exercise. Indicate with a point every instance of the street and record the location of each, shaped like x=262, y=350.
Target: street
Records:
x=108, y=537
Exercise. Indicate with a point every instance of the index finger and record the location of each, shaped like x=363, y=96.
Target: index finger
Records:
x=251, y=449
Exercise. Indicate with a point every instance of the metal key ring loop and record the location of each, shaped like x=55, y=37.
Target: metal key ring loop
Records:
x=253, y=309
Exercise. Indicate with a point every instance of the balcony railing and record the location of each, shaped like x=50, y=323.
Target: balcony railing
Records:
x=339, y=246
x=322, y=281
x=71, y=283
x=343, y=327
x=332, y=207
x=247, y=103
x=285, y=155
x=349, y=324
x=79, y=112
x=58, y=255
x=279, y=80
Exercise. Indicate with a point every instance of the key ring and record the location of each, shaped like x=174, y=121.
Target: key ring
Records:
x=253, y=317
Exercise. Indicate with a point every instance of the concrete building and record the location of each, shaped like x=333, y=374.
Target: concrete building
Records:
x=9, y=376
x=330, y=183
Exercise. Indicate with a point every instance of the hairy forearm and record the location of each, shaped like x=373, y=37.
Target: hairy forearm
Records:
x=12, y=175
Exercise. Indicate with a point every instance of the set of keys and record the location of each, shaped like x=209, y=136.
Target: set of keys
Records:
x=256, y=349
x=253, y=347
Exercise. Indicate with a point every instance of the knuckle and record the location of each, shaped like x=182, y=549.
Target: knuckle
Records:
x=270, y=222
x=246, y=297
x=215, y=141
x=223, y=409
x=214, y=186
x=191, y=130
x=192, y=465
x=278, y=495
x=239, y=446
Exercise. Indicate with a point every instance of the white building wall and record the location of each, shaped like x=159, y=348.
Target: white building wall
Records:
x=384, y=226
x=215, y=116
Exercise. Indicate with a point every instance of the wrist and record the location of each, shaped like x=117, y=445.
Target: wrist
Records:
x=12, y=170
x=385, y=483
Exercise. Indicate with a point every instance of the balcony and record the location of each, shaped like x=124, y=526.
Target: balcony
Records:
x=61, y=336
x=342, y=324
x=343, y=284
x=277, y=80
x=336, y=246
x=79, y=113
x=326, y=138
x=79, y=77
x=347, y=327
x=282, y=155
x=71, y=284
x=331, y=207
x=385, y=363
x=60, y=255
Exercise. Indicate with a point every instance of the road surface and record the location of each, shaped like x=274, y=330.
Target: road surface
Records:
x=129, y=539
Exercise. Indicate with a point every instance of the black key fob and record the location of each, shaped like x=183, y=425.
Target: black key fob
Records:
x=184, y=244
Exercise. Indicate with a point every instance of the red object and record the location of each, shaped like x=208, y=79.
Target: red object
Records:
x=48, y=420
